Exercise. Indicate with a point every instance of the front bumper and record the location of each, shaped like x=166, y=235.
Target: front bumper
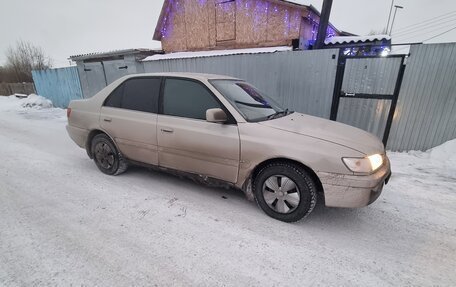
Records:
x=353, y=191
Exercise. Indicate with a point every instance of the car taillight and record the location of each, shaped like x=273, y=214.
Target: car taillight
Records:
x=68, y=112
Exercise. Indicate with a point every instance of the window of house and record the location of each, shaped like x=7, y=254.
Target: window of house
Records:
x=189, y=99
x=225, y=18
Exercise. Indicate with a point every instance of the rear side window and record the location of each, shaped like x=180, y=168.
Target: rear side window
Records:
x=189, y=99
x=139, y=94
x=115, y=98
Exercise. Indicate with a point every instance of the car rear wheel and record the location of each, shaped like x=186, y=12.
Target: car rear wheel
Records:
x=285, y=191
x=106, y=156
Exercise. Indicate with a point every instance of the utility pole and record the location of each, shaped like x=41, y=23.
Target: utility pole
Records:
x=323, y=25
x=389, y=16
x=394, y=17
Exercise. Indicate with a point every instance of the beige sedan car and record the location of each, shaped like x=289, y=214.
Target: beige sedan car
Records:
x=223, y=130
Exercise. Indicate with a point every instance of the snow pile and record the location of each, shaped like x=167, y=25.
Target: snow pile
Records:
x=444, y=157
x=37, y=102
x=433, y=168
x=212, y=53
x=445, y=153
x=10, y=103
x=31, y=107
x=19, y=102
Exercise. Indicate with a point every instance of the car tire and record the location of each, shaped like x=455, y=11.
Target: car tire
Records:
x=106, y=156
x=285, y=191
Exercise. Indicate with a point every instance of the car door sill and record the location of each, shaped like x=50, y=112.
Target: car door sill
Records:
x=206, y=180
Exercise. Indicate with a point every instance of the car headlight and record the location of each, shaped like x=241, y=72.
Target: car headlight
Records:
x=364, y=165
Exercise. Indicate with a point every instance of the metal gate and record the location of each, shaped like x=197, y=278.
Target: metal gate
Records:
x=366, y=91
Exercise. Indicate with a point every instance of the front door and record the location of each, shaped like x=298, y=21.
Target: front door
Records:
x=129, y=116
x=187, y=142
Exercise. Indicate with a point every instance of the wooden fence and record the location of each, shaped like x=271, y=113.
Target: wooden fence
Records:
x=7, y=89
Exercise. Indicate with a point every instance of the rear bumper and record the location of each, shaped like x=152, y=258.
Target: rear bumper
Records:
x=353, y=191
x=78, y=135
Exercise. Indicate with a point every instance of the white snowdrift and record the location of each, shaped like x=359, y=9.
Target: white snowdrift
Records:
x=438, y=162
x=37, y=102
x=19, y=102
x=445, y=153
x=32, y=106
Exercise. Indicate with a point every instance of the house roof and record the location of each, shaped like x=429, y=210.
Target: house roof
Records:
x=212, y=53
x=165, y=10
x=115, y=53
x=356, y=39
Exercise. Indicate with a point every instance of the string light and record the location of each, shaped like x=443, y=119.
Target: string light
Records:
x=291, y=22
x=367, y=51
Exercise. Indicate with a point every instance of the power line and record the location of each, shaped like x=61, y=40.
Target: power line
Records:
x=454, y=28
x=422, y=33
x=427, y=22
x=418, y=29
x=439, y=26
x=437, y=18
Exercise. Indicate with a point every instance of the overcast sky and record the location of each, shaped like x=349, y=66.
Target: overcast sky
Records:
x=66, y=27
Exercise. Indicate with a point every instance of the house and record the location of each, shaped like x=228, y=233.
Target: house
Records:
x=194, y=25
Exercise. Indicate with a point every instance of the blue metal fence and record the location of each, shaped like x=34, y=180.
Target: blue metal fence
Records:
x=58, y=85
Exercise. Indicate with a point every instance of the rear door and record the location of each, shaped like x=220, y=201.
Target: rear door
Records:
x=129, y=116
x=187, y=142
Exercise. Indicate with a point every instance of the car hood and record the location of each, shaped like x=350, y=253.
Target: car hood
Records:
x=330, y=131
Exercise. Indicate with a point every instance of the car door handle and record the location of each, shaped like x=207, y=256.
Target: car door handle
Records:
x=107, y=120
x=167, y=130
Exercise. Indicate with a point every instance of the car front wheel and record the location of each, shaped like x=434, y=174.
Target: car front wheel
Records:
x=106, y=156
x=285, y=191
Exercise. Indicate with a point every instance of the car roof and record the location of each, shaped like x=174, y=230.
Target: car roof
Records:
x=199, y=76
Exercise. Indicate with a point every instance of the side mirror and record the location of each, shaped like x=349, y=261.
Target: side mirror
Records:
x=216, y=116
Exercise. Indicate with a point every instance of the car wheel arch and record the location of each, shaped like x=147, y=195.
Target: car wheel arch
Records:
x=90, y=137
x=306, y=168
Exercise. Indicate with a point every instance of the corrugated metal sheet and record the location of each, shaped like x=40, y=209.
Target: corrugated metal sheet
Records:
x=115, y=69
x=356, y=39
x=215, y=53
x=371, y=75
x=426, y=111
x=123, y=52
x=58, y=85
x=367, y=114
x=301, y=80
x=94, y=76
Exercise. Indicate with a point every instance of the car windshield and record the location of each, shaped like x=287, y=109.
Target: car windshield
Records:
x=252, y=104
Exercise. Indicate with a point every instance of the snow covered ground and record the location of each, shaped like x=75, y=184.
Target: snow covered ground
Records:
x=63, y=222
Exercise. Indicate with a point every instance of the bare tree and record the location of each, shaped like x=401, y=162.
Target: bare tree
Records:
x=25, y=57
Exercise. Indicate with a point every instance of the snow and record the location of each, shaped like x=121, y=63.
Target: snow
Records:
x=355, y=39
x=199, y=54
x=37, y=102
x=15, y=101
x=65, y=223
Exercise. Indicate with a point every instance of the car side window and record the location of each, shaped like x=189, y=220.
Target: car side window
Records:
x=189, y=99
x=115, y=98
x=139, y=94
